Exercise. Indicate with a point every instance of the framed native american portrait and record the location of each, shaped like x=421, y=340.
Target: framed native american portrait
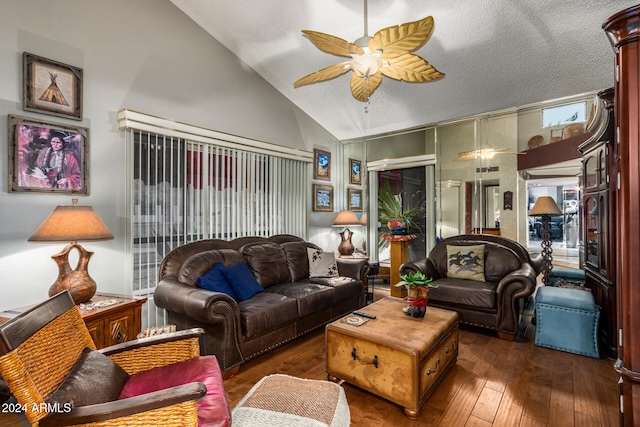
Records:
x=47, y=157
x=51, y=87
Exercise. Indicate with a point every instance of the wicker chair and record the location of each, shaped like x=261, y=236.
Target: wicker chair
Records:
x=39, y=348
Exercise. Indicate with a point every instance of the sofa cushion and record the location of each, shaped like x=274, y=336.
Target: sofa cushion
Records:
x=345, y=287
x=298, y=259
x=266, y=311
x=242, y=281
x=93, y=379
x=466, y=262
x=267, y=262
x=215, y=280
x=198, y=264
x=213, y=408
x=457, y=292
x=311, y=297
x=322, y=264
x=498, y=262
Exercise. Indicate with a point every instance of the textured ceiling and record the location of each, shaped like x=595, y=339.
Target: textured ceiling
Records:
x=496, y=54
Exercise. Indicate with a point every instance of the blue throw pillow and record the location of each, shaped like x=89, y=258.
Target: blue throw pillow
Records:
x=242, y=281
x=214, y=280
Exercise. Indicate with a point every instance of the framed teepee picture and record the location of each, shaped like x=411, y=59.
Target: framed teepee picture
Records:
x=51, y=87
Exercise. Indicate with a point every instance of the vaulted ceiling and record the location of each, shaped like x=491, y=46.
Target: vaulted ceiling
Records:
x=496, y=54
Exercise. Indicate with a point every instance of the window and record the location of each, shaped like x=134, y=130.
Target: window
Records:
x=564, y=114
x=185, y=188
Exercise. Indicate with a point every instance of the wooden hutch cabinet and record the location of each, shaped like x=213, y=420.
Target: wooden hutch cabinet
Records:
x=599, y=219
x=623, y=30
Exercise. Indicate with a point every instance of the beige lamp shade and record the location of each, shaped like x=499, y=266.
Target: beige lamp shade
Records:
x=346, y=218
x=545, y=205
x=72, y=224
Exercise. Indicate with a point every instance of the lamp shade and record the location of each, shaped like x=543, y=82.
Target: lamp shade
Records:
x=71, y=224
x=545, y=205
x=346, y=218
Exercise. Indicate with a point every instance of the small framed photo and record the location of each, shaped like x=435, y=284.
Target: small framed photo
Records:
x=50, y=87
x=321, y=165
x=354, y=199
x=47, y=157
x=322, y=198
x=354, y=172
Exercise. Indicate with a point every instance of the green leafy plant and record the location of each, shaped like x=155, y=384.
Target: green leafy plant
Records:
x=417, y=279
x=390, y=206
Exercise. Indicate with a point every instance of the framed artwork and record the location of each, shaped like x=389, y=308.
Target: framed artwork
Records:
x=354, y=172
x=47, y=157
x=354, y=199
x=50, y=87
x=321, y=165
x=322, y=198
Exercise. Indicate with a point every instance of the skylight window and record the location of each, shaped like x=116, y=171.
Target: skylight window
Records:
x=564, y=114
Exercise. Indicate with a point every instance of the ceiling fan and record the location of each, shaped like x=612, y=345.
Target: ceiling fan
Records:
x=387, y=53
x=483, y=154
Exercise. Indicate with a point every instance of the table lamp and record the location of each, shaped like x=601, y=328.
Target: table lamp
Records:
x=346, y=219
x=72, y=224
x=545, y=207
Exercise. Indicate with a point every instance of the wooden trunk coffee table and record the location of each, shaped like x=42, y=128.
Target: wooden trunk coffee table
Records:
x=394, y=356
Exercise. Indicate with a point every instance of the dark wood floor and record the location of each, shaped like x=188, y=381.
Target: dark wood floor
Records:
x=494, y=383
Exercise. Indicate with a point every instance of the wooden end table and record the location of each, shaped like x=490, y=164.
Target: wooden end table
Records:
x=109, y=325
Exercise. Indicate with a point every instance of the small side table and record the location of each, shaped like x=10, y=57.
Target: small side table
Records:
x=399, y=255
x=109, y=325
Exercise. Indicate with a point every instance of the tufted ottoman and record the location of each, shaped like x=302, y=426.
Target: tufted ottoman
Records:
x=283, y=401
x=567, y=320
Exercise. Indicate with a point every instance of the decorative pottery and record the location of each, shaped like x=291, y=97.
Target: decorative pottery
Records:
x=572, y=130
x=398, y=225
x=535, y=141
x=417, y=298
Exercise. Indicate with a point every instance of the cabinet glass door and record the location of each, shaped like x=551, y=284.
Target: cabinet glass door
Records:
x=592, y=230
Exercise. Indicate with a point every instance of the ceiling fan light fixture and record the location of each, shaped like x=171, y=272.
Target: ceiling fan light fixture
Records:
x=366, y=65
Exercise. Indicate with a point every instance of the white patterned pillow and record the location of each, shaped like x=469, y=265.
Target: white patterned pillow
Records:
x=322, y=264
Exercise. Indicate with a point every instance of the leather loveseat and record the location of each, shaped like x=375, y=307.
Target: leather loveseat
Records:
x=292, y=303
x=496, y=301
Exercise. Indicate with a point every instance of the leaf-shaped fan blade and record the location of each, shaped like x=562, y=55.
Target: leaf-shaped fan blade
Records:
x=332, y=44
x=362, y=88
x=411, y=68
x=328, y=73
x=403, y=38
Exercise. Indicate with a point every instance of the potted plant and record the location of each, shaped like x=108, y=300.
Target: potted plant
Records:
x=417, y=285
x=390, y=211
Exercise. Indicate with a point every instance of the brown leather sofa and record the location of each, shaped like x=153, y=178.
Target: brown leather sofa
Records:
x=291, y=305
x=510, y=277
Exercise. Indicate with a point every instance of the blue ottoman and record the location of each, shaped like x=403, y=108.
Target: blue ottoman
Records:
x=567, y=320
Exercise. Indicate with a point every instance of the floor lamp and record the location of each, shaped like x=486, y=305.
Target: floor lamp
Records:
x=545, y=207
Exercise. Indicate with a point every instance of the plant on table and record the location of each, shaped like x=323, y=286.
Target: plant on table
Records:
x=417, y=285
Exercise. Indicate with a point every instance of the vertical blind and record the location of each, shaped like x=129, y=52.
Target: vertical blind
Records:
x=183, y=190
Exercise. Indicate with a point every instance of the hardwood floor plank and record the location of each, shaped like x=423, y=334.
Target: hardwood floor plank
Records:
x=487, y=404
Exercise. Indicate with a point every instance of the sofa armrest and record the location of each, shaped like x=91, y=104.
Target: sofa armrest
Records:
x=196, y=303
x=520, y=283
x=352, y=267
x=146, y=353
x=139, y=409
x=424, y=265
